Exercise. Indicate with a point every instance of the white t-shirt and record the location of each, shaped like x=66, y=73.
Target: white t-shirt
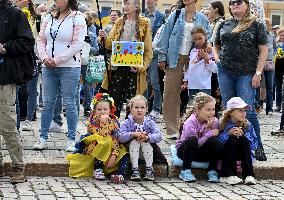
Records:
x=186, y=39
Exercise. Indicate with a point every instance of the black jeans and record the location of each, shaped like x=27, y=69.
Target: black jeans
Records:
x=236, y=149
x=189, y=151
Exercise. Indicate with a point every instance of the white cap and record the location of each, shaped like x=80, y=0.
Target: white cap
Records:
x=236, y=102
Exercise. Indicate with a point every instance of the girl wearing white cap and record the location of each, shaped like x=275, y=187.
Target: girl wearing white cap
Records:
x=238, y=141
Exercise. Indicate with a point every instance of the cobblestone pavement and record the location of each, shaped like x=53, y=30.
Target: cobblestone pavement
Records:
x=50, y=188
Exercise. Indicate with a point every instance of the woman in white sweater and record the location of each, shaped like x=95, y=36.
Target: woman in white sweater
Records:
x=60, y=40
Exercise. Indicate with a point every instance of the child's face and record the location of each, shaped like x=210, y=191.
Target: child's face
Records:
x=206, y=112
x=139, y=109
x=102, y=108
x=199, y=39
x=239, y=115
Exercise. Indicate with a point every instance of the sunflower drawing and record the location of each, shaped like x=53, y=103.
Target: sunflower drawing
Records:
x=139, y=48
x=118, y=47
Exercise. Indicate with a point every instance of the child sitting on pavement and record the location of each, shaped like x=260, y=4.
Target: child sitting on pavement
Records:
x=238, y=141
x=101, y=144
x=140, y=131
x=198, y=141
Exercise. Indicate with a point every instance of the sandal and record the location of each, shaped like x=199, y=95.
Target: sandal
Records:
x=277, y=132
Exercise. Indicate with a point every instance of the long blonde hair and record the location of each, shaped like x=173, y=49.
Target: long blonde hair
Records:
x=198, y=101
x=246, y=22
x=136, y=3
x=226, y=117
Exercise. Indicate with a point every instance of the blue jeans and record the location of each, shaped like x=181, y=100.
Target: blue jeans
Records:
x=32, y=97
x=58, y=109
x=232, y=85
x=66, y=78
x=154, y=84
x=192, y=92
x=268, y=76
x=87, y=89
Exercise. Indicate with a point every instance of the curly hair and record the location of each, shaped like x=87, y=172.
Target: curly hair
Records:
x=137, y=97
x=198, y=101
x=226, y=117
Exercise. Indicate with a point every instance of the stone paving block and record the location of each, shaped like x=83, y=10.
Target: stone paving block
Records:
x=27, y=198
x=125, y=191
x=115, y=198
x=252, y=197
x=43, y=192
x=151, y=197
x=62, y=195
x=95, y=194
x=167, y=196
x=132, y=196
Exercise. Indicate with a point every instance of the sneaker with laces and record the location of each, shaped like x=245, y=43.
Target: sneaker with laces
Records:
x=155, y=115
x=213, y=176
x=27, y=125
x=173, y=136
x=187, y=176
x=149, y=175
x=135, y=176
x=231, y=180
x=18, y=176
x=41, y=145
x=250, y=180
x=117, y=179
x=70, y=146
x=99, y=174
x=56, y=128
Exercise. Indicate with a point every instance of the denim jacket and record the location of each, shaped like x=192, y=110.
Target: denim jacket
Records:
x=249, y=134
x=159, y=20
x=169, y=44
x=129, y=126
x=94, y=42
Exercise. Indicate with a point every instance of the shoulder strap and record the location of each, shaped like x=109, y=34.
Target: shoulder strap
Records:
x=177, y=15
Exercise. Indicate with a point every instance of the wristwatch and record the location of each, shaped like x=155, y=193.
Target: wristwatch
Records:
x=258, y=73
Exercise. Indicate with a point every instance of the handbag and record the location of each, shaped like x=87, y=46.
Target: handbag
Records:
x=269, y=65
x=95, y=69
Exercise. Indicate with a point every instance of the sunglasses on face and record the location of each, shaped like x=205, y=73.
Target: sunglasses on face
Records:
x=233, y=2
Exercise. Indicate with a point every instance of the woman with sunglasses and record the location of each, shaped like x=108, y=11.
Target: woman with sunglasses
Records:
x=241, y=51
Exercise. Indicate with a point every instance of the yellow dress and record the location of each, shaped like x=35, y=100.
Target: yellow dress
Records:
x=100, y=145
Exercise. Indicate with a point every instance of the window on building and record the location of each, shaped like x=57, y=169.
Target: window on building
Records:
x=276, y=18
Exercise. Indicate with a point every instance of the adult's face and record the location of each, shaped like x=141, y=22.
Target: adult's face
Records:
x=151, y=3
x=113, y=16
x=129, y=7
x=212, y=13
x=238, y=8
x=268, y=26
x=188, y=2
x=61, y=4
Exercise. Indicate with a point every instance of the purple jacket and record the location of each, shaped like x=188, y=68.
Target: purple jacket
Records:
x=192, y=127
x=129, y=126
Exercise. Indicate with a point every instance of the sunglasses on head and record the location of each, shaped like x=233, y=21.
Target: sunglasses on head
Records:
x=233, y=2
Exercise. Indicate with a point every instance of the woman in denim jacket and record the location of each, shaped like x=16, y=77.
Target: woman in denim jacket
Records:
x=173, y=50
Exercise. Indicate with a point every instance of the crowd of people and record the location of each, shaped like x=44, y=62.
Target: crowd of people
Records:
x=195, y=65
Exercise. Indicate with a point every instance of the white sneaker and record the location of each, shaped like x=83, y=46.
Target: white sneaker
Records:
x=250, y=180
x=99, y=174
x=231, y=180
x=54, y=127
x=41, y=145
x=70, y=146
x=27, y=125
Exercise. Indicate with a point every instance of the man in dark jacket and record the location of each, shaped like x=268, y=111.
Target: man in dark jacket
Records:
x=16, y=66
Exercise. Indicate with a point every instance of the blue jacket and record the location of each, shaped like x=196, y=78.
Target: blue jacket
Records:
x=170, y=42
x=129, y=126
x=94, y=42
x=249, y=134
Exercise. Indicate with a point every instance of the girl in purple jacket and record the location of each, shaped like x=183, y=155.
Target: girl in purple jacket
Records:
x=198, y=141
x=140, y=131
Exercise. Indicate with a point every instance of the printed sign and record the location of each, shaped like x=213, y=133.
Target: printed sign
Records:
x=125, y=53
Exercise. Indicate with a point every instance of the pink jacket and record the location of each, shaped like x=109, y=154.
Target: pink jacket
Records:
x=68, y=40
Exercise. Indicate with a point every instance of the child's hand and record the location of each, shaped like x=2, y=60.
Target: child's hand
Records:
x=237, y=131
x=104, y=118
x=111, y=161
x=204, y=55
x=184, y=85
x=209, y=124
x=144, y=137
x=215, y=132
x=136, y=135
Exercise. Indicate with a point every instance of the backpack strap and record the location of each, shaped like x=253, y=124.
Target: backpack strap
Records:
x=178, y=11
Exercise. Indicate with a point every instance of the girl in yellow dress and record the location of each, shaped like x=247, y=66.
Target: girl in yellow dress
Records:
x=99, y=151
